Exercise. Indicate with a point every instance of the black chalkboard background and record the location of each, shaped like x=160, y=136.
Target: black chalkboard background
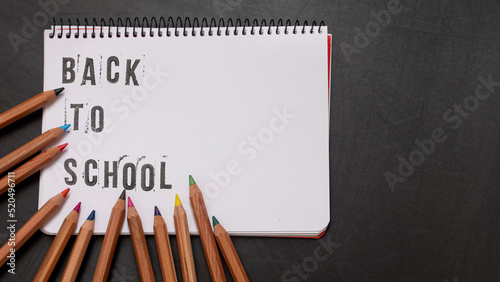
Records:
x=404, y=110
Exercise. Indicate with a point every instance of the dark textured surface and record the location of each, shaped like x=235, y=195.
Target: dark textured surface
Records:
x=440, y=224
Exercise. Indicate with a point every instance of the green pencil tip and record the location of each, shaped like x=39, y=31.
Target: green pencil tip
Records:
x=214, y=221
x=191, y=180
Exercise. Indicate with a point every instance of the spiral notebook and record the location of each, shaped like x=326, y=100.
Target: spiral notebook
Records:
x=244, y=109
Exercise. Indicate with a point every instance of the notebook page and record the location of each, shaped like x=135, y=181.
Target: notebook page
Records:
x=246, y=115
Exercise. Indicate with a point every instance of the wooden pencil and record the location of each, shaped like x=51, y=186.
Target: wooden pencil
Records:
x=57, y=246
x=79, y=248
x=229, y=252
x=139, y=243
x=184, y=242
x=32, y=147
x=30, y=167
x=28, y=106
x=110, y=239
x=163, y=247
x=206, y=233
x=32, y=225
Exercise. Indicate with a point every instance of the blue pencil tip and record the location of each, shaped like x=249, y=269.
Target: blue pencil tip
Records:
x=91, y=215
x=65, y=127
x=157, y=211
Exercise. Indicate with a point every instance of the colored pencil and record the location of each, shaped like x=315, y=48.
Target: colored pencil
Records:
x=139, y=243
x=206, y=233
x=184, y=241
x=110, y=239
x=57, y=246
x=32, y=225
x=79, y=248
x=30, y=167
x=229, y=252
x=163, y=247
x=28, y=106
x=30, y=148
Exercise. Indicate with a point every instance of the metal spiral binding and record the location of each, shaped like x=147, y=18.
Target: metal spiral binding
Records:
x=180, y=25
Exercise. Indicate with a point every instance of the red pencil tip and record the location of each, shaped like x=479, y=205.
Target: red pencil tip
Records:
x=61, y=147
x=130, y=204
x=65, y=192
x=77, y=208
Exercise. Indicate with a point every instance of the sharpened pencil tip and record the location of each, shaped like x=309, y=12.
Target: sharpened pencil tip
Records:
x=58, y=90
x=122, y=195
x=77, y=208
x=91, y=215
x=61, y=147
x=191, y=180
x=157, y=211
x=177, y=200
x=214, y=221
x=65, y=192
x=130, y=204
x=65, y=127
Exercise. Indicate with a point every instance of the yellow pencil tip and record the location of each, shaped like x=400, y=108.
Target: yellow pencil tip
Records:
x=177, y=200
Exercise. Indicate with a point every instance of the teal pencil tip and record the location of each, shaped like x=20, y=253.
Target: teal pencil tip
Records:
x=214, y=221
x=65, y=127
x=191, y=180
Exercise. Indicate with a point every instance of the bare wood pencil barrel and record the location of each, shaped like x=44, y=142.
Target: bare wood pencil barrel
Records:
x=79, y=249
x=31, y=166
x=184, y=242
x=163, y=246
x=33, y=224
x=229, y=252
x=139, y=243
x=30, y=148
x=28, y=106
x=57, y=247
x=206, y=233
x=110, y=239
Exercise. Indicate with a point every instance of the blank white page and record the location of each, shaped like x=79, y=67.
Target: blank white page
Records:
x=245, y=115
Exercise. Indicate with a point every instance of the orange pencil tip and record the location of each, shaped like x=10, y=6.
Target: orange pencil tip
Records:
x=65, y=192
x=61, y=147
